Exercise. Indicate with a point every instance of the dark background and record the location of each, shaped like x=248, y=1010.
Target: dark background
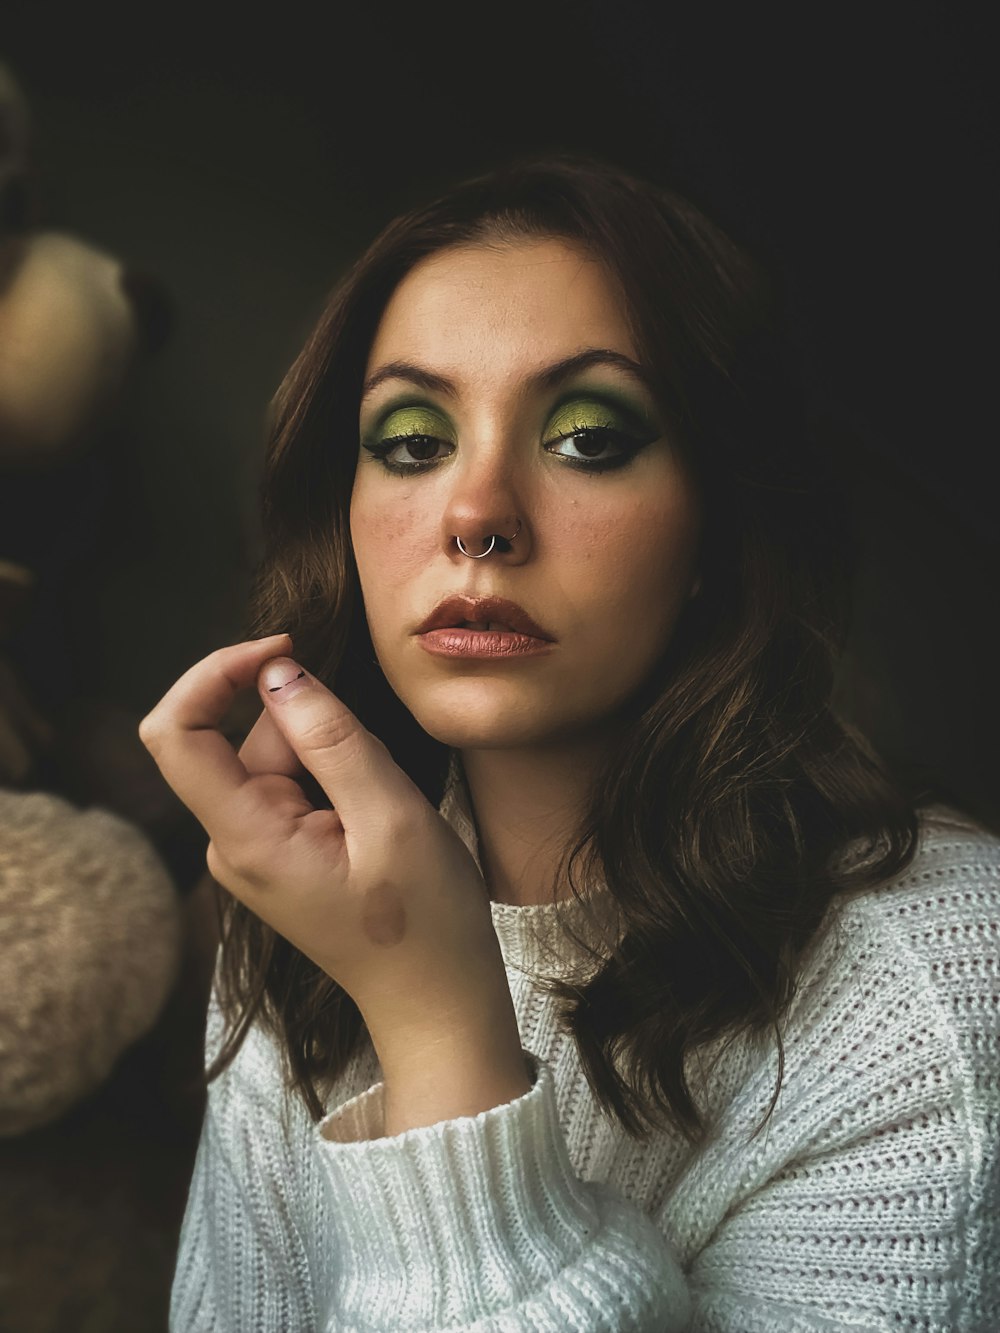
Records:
x=850, y=146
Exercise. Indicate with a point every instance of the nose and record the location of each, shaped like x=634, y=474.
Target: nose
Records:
x=486, y=514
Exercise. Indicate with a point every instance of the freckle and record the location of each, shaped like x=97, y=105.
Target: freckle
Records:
x=383, y=916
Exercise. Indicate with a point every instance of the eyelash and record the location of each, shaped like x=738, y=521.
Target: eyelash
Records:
x=629, y=446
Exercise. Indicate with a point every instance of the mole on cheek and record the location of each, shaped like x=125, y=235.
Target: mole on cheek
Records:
x=383, y=917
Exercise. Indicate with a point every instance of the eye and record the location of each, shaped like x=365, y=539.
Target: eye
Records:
x=596, y=433
x=424, y=446
x=411, y=431
x=591, y=440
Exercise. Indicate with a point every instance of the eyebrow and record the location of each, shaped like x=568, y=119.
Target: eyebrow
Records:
x=548, y=378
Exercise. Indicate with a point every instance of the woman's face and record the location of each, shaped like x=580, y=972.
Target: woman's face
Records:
x=473, y=339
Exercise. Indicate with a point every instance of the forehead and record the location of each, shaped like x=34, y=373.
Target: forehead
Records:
x=533, y=300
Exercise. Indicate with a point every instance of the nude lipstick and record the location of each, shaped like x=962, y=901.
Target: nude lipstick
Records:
x=484, y=627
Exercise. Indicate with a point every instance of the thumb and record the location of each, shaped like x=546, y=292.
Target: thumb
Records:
x=352, y=766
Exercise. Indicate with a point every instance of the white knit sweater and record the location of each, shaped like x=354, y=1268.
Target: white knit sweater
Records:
x=870, y=1201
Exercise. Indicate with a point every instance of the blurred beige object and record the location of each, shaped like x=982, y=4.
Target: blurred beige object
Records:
x=68, y=335
x=90, y=947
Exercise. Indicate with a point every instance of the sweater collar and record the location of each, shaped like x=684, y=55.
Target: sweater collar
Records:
x=532, y=938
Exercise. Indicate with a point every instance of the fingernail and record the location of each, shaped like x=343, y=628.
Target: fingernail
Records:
x=282, y=678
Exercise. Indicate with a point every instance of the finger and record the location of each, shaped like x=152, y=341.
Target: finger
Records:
x=352, y=766
x=265, y=750
x=181, y=734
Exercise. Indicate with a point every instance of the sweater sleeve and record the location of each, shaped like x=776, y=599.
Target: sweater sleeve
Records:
x=243, y=1264
x=477, y=1223
x=480, y=1223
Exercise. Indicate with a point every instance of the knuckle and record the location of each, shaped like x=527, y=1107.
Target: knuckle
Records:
x=216, y=867
x=337, y=746
x=240, y=869
x=149, y=731
x=246, y=866
x=329, y=733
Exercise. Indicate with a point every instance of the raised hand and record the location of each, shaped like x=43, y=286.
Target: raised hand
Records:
x=380, y=892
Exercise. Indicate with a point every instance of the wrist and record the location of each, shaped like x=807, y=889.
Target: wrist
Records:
x=469, y=1061
x=467, y=1082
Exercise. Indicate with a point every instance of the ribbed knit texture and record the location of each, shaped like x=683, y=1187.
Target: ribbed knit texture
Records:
x=870, y=1201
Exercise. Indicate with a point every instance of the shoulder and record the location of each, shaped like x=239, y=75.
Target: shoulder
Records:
x=895, y=1017
x=943, y=908
x=933, y=926
x=885, y=1125
x=898, y=999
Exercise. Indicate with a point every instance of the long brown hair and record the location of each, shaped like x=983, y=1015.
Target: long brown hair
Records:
x=720, y=821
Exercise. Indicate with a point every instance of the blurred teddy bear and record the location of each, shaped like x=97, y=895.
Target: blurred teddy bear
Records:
x=91, y=923
x=90, y=926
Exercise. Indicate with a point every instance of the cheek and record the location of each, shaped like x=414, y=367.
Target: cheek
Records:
x=635, y=568
x=386, y=539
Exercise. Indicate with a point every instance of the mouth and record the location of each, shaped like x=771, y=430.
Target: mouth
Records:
x=487, y=615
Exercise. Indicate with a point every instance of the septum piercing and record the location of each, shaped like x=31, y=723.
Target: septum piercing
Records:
x=493, y=539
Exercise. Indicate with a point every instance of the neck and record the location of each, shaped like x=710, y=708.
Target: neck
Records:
x=527, y=805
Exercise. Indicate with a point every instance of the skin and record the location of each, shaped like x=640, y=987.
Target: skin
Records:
x=605, y=561
x=378, y=889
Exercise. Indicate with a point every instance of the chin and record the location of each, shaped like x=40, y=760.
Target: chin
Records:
x=484, y=728
x=464, y=726
x=486, y=736
x=489, y=712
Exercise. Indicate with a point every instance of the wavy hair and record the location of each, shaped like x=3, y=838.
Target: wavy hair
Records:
x=721, y=820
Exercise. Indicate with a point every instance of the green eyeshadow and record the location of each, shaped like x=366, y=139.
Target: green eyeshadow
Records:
x=414, y=419
x=589, y=410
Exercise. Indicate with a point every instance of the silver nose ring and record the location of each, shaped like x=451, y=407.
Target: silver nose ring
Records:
x=491, y=545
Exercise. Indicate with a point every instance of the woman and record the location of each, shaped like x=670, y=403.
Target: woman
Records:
x=678, y=1011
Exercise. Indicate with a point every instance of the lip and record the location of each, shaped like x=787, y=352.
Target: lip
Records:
x=454, y=611
x=493, y=645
